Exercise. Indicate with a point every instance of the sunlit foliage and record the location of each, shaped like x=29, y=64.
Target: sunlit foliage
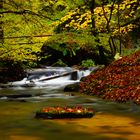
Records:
x=113, y=20
x=80, y=18
x=25, y=25
x=70, y=42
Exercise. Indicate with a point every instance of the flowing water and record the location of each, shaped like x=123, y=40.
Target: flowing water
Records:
x=112, y=121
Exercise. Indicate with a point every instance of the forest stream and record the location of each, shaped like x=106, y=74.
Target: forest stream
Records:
x=112, y=121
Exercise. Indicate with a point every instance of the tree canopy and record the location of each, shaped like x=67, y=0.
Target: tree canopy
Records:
x=26, y=25
x=113, y=21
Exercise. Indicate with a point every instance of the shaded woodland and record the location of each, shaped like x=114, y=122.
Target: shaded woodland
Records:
x=66, y=33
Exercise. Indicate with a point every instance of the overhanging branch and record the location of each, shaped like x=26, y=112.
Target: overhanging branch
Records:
x=21, y=12
x=26, y=36
x=134, y=21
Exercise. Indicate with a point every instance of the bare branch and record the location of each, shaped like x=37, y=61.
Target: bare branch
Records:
x=135, y=21
x=26, y=36
x=110, y=16
x=24, y=43
x=21, y=12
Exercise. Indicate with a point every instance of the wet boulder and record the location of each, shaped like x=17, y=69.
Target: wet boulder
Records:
x=72, y=88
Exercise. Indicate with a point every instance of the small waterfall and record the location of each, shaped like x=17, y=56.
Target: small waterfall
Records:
x=51, y=77
x=83, y=73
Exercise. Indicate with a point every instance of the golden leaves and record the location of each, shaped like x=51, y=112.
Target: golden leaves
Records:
x=81, y=21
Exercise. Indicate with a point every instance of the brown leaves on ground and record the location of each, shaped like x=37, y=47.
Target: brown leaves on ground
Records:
x=120, y=81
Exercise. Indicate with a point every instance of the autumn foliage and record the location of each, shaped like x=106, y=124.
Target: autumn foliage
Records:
x=65, y=112
x=119, y=81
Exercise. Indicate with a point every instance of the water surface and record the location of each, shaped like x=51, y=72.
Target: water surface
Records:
x=112, y=121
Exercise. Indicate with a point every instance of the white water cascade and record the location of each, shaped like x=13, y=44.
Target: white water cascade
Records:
x=51, y=77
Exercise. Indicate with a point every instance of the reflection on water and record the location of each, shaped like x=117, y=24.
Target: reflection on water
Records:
x=112, y=121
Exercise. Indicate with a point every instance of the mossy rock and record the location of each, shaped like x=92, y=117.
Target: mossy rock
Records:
x=72, y=88
x=11, y=72
x=71, y=48
x=59, y=63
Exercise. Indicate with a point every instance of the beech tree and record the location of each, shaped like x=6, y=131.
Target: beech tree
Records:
x=112, y=20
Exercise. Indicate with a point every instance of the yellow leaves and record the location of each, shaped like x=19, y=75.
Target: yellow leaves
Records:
x=68, y=16
x=123, y=30
x=72, y=21
x=132, y=13
x=77, y=16
x=130, y=27
x=138, y=8
x=18, y=53
x=89, y=16
x=81, y=21
x=78, y=26
x=122, y=7
x=64, y=18
x=133, y=1
x=67, y=25
x=84, y=25
x=98, y=10
x=126, y=2
x=126, y=16
x=3, y=51
x=128, y=6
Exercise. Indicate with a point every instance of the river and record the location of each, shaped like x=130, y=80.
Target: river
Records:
x=112, y=121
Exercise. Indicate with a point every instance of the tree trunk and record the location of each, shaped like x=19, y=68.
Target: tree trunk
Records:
x=120, y=42
x=1, y=23
x=95, y=33
x=92, y=7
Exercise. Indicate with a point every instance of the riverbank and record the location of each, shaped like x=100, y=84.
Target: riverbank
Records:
x=119, y=81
